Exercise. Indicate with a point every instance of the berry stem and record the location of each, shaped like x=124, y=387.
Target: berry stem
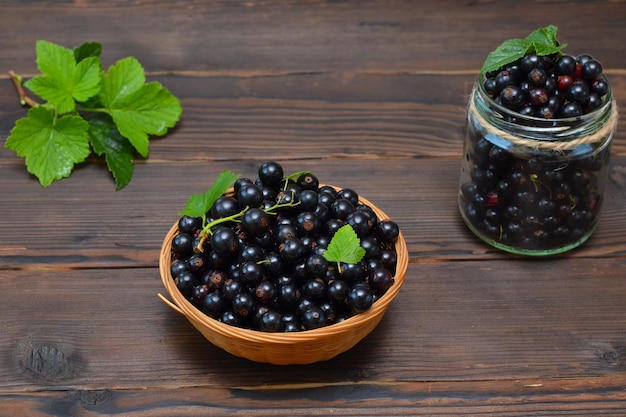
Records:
x=206, y=230
x=24, y=99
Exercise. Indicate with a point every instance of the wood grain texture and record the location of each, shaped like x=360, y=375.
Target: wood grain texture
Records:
x=312, y=36
x=78, y=227
x=506, y=320
x=312, y=117
x=369, y=95
x=508, y=398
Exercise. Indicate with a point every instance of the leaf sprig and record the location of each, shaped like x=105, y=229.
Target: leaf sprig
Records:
x=199, y=205
x=542, y=42
x=344, y=247
x=113, y=113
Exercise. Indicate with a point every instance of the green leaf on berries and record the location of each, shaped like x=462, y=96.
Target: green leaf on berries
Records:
x=50, y=144
x=64, y=81
x=344, y=247
x=107, y=141
x=542, y=42
x=138, y=109
x=199, y=204
x=296, y=175
x=508, y=51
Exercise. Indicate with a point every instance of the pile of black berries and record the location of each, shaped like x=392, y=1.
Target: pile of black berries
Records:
x=550, y=86
x=265, y=270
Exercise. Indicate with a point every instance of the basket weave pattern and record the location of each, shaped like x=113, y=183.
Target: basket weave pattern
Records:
x=293, y=348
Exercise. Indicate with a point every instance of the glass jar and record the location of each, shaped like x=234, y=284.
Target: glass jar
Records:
x=534, y=186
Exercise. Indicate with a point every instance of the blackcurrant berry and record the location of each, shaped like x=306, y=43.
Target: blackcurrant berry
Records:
x=271, y=321
x=313, y=318
x=243, y=304
x=250, y=195
x=566, y=65
x=271, y=173
x=360, y=298
x=182, y=244
x=255, y=222
x=307, y=223
x=292, y=250
x=185, y=282
x=250, y=273
x=224, y=206
x=503, y=80
x=316, y=266
x=340, y=208
x=314, y=289
x=531, y=61
x=213, y=304
x=360, y=222
x=265, y=292
x=350, y=195
x=308, y=200
x=308, y=181
x=224, y=241
x=189, y=225
x=578, y=92
x=512, y=97
x=537, y=77
x=538, y=97
x=338, y=291
x=380, y=280
x=178, y=267
x=571, y=109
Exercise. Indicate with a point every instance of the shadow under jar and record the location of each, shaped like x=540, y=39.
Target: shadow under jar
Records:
x=534, y=186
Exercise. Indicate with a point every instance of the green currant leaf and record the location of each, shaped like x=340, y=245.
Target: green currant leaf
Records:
x=115, y=112
x=51, y=145
x=344, y=247
x=118, y=152
x=543, y=36
x=199, y=204
x=64, y=81
x=508, y=51
x=138, y=109
x=87, y=50
x=542, y=42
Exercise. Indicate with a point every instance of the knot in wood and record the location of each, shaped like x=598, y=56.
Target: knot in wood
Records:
x=48, y=362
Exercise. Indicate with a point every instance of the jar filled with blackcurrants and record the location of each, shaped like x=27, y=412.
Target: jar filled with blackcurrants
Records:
x=536, y=154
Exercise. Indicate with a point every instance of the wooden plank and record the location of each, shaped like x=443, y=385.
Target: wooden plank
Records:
x=512, y=320
x=83, y=222
x=294, y=36
x=602, y=397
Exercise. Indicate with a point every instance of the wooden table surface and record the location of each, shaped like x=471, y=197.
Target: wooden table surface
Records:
x=369, y=95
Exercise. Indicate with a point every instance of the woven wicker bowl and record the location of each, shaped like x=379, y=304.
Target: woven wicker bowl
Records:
x=284, y=348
